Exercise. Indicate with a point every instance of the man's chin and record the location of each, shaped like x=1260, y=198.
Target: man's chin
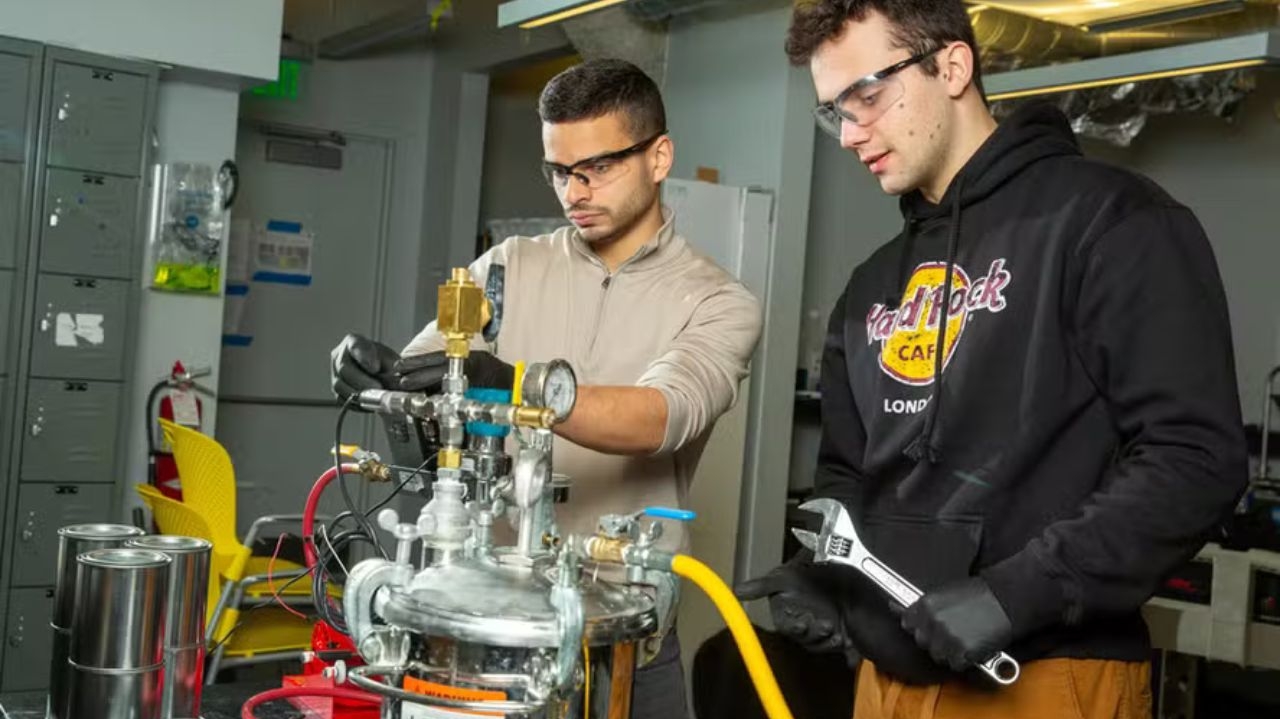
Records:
x=595, y=234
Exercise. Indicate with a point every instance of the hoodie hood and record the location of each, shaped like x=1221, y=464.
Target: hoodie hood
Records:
x=1032, y=133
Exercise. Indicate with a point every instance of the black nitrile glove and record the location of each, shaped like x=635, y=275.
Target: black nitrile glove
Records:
x=358, y=363
x=959, y=624
x=425, y=372
x=802, y=602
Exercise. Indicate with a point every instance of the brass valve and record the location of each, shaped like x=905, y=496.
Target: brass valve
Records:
x=463, y=313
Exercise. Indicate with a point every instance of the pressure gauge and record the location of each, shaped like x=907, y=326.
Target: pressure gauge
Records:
x=552, y=385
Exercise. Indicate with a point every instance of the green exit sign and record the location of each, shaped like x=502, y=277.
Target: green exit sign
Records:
x=286, y=86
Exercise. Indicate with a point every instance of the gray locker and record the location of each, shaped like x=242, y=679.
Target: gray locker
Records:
x=7, y=320
x=10, y=203
x=29, y=640
x=80, y=325
x=89, y=223
x=96, y=119
x=43, y=509
x=15, y=79
x=70, y=431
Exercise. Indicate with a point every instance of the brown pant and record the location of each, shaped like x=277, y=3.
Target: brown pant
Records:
x=1047, y=689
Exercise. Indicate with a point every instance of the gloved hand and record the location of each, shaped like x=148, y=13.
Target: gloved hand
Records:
x=801, y=602
x=425, y=372
x=358, y=363
x=959, y=624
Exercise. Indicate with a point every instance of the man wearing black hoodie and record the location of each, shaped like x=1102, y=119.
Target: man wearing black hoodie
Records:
x=1040, y=454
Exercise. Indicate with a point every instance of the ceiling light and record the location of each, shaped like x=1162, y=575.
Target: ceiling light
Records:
x=536, y=13
x=1254, y=50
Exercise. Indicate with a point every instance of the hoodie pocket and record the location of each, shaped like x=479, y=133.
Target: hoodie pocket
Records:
x=927, y=551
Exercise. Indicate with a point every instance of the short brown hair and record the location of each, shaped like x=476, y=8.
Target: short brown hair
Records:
x=918, y=26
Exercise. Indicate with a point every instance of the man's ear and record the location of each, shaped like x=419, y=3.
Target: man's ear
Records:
x=664, y=157
x=955, y=64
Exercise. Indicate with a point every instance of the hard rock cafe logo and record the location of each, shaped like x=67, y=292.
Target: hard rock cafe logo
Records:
x=909, y=334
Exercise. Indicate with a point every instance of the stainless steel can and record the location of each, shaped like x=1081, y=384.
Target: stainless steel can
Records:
x=184, y=647
x=73, y=541
x=114, y=693
x=120, y=603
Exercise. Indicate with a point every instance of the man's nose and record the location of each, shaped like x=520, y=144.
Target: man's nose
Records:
x=576, y=191
x=852, y=135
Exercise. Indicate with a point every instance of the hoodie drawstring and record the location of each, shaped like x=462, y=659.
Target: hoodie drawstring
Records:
x=923, y=447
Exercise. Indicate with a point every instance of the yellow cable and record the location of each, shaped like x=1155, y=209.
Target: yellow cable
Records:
x=743, y=633
x=586, y=692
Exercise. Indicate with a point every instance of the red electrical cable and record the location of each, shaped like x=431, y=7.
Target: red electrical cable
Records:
x=271, y=584
x=271, y=695
x=313, y=503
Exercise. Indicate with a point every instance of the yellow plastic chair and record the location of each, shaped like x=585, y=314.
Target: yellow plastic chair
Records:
x=209, y=490
x=239, y=634
x=209, y=487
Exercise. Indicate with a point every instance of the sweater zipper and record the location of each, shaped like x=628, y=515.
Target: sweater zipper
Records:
x=600, y=308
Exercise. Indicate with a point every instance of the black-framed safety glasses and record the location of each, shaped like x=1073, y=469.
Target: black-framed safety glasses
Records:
x=864, y=101
x=595, y=171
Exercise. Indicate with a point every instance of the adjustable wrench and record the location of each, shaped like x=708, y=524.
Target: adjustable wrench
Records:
x=838, y=543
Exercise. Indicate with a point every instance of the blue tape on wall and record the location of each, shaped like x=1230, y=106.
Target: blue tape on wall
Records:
x=282, y=278
x=237, y=289
x=290, y=228
x=236, y=340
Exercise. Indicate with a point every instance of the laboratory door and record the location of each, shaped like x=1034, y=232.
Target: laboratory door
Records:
x=306, y=267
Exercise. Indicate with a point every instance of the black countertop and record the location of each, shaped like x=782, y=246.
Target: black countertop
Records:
x=221, y=701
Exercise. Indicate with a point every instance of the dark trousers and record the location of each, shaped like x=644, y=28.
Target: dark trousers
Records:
x=658, y=690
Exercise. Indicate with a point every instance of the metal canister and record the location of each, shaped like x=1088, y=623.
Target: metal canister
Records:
x=73, y=541
x=117, y=634
x=184, y=647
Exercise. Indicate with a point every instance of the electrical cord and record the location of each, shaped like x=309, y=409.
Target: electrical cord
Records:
x=329, y=544
x=361, y=519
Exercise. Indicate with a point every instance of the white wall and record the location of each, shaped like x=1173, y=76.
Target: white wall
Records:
x=236, y=37
x=194, y=123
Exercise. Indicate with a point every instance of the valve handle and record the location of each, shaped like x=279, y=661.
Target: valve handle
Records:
x=679, y=515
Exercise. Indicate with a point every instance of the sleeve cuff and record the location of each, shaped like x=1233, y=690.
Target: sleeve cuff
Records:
x=1028, y=592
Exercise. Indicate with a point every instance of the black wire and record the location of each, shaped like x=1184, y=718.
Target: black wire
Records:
x=342, y=484
x=326, y=608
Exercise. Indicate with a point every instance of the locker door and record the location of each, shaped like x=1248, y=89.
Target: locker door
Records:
x=71, y=431
x=30, y=640
x=43, y=509
x=10, y=204
x=89, y=224
x=7, y=319
x=80, y=328
x=15, y=83
x=96, y=119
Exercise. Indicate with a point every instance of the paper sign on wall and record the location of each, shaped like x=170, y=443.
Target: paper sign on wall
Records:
x=282, y=254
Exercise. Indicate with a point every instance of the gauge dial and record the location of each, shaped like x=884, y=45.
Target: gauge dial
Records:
x=552, y=385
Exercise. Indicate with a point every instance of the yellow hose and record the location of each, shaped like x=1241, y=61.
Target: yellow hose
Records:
x=743, y=633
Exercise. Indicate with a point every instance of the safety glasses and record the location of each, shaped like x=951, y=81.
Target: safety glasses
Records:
x=863, y=102
x=596, y=171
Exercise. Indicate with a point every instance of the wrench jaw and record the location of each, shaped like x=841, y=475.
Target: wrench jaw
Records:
x=838, y=541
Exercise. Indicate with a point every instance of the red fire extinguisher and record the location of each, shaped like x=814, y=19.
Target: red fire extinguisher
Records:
x=179, y=403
